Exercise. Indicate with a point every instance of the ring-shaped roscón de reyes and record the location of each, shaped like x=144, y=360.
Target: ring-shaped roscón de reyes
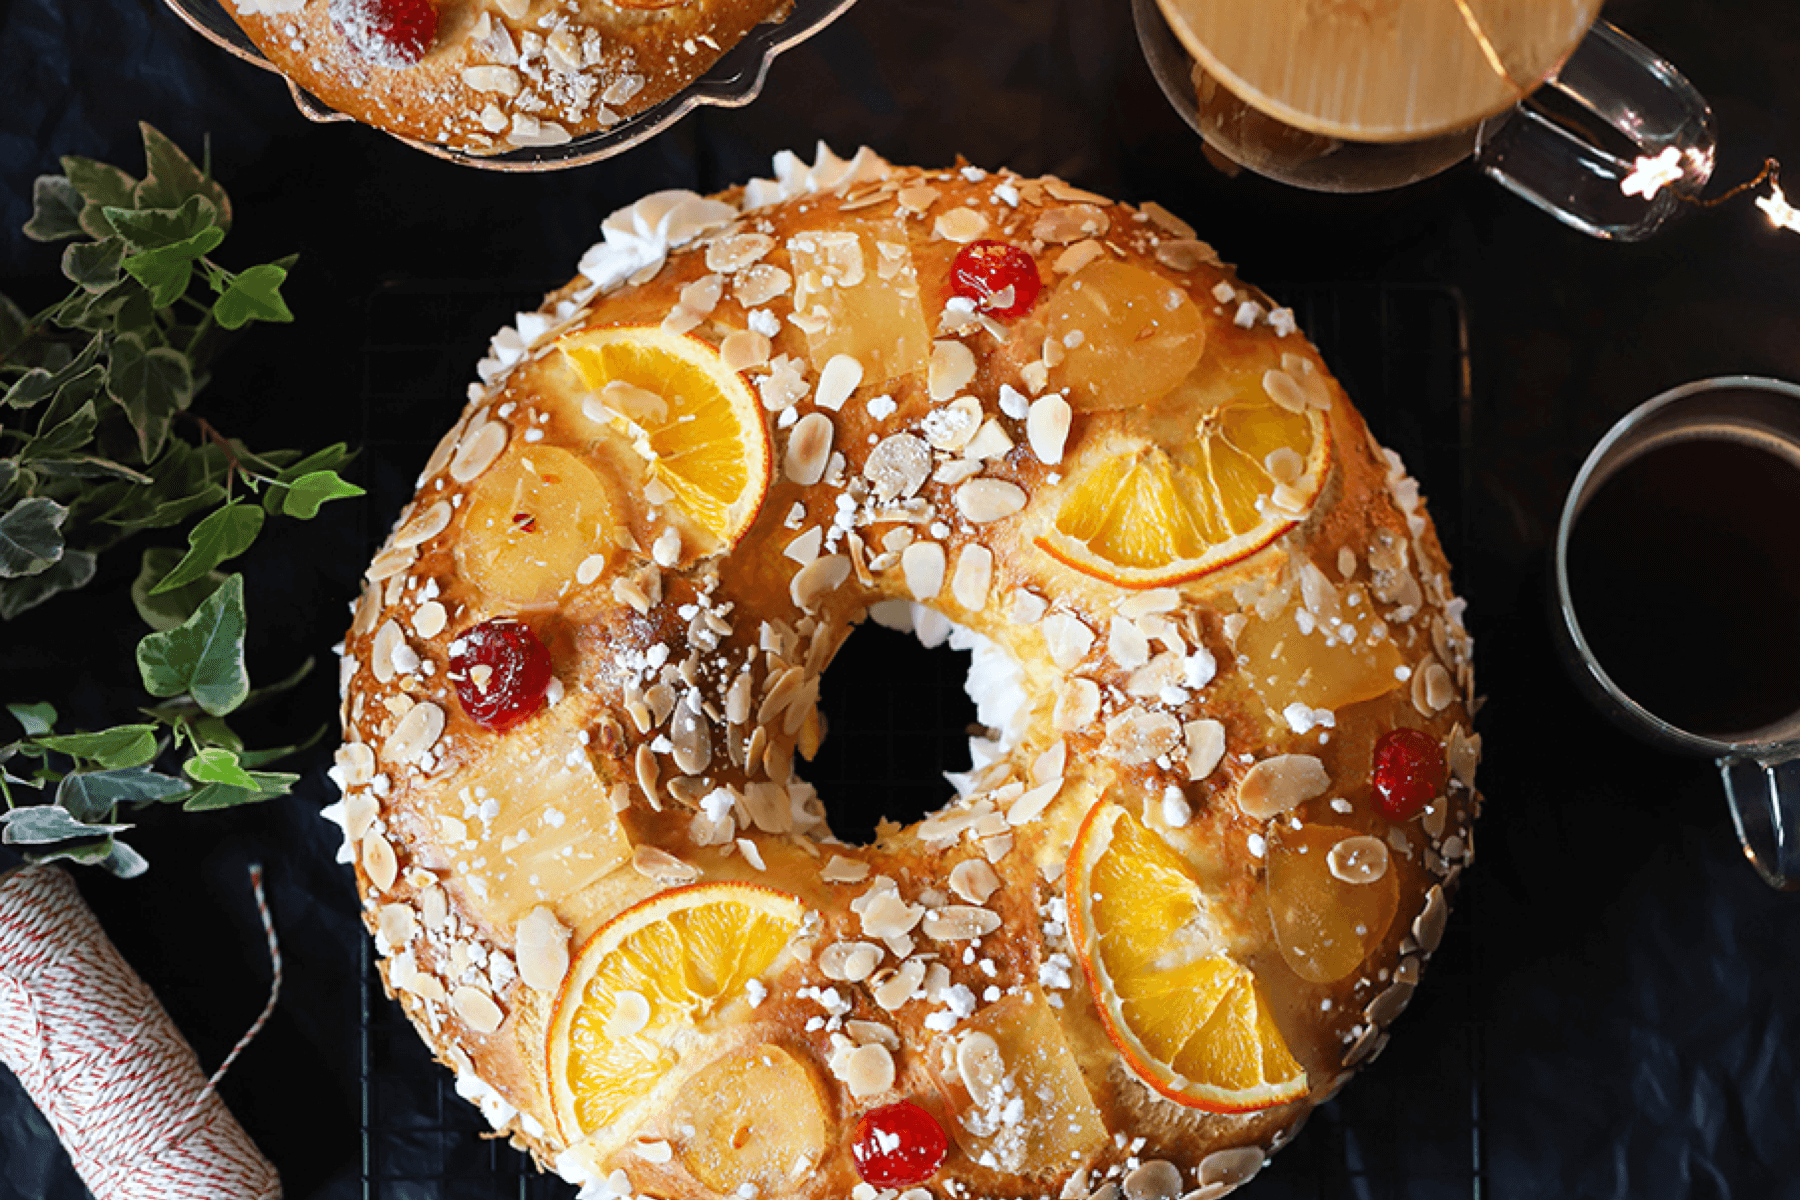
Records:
x=1167, y=912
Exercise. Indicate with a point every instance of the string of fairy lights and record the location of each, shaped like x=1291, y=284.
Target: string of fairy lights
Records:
x=1651, y=173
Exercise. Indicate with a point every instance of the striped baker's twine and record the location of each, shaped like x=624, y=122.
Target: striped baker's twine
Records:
x=101, y=1058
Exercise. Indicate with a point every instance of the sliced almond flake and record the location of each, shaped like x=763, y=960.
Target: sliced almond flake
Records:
x=1126, y=644
x=1279, y=783
x=887, y=915
x=732, y=252
x=818, y=578
x=1135, y=736
x=390, y=563
x=356, y=762
x=758, y=285
x=896, y=989
x=849, y=962
x=1205, y=746
x=644, y=767
x=1063, y=225
x=416, y=733
x=838, y=381
x=839, y=869
x=1440, y=690
x=1026, y=607
x=1229, y=1168
x=743, y=349
x=1155, y=600
x=1067, y=639
x=898, y=466
x=952, y=368
x=1051, y=763
x=955, y=471
x=1031, y=805
x=1077, y=704
x=974, y=575
x=396, y=924
x=1047, y=428
x=378, y=860
x=1359, y=859
x=868, y=1071
x=691, y=738
x=918, y=198
x=1167, y=221
x=429, y=619
x=805, y=548
x=768, y=807
x=1185, y=254
x=871, y=1033
x=809, y=445
x=1284, y=390
x=923, y=565
x=960, y=225
x=1078, y=256
x=959, y=923
x=541, y=946
x=974, y=880
x=424, y=526
x=662, y=866
x=1069, y=194
x=989, y=442
x=983, y=501
x=1464, y=755
x=479, y=448
x=502, y=81
x=388, y=639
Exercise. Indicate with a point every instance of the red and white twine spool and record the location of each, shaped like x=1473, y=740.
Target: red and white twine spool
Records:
x=101, y=1058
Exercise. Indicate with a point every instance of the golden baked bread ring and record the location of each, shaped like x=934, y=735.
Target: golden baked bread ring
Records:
x=489, y=76
x=1205, y=847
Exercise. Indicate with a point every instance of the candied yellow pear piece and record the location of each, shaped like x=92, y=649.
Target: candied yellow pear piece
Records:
x=1017, y=1091
x=758, y=1117
x=1324, y=663
x=1127, y=335
x=857, y=294
x=529, y=823
x=529, y=523
x=1326, y=925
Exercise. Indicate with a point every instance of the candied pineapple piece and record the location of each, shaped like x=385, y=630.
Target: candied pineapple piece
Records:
x=757, y=1117
x=1312, y=662
x=856, y=293
x=1324, y=925
x=1127, y=335
x=530, y=825
x=530, y=521
x=1016, y=1091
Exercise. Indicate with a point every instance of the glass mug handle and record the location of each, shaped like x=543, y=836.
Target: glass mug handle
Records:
x=1765, y=808
x=1536, y=149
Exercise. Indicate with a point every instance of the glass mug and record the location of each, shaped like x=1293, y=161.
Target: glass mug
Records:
x=1567, y=147
x=1758, y=749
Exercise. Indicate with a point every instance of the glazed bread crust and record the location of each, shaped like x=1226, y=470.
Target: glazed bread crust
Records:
x=1189, y=705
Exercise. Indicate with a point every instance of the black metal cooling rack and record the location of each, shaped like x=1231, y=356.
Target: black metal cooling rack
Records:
x=1409, y=1126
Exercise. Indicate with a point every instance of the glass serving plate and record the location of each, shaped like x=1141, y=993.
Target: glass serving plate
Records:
x=734, y=81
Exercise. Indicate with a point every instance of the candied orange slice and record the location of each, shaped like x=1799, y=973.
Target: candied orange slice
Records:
x=1144, y=510
x=1187, y=1017
x=693, y=421
x=650, y=987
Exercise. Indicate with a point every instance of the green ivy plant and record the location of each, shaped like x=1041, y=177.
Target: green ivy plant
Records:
x=99, y=443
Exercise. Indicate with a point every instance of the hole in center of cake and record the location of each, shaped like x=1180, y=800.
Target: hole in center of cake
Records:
x=897, y=719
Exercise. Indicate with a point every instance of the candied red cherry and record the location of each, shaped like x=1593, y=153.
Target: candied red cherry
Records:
x=501, y=671
x=898, y=1145
x=1409, y=771
x=389, y=33
x=1001, y=279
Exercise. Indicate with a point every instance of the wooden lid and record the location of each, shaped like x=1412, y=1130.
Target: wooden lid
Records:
x=1380, y=70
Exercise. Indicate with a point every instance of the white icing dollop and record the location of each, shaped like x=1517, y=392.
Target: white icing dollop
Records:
x=495, y=1107
x=639, y=236
x=794, y=178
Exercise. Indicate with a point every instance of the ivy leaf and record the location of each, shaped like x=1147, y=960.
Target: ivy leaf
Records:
x=31, y=536
x=163, y=611
x=213, y=731
x=42, y=824
x=269, y=784
x=94, y=266
x=257, y=758
x=223, y=535
x=100, y=185
x=216, y=764
x=55, y=209
x=151, y=228
x=33, y=387
x=76, y=429
x=37, y=718
x=74, y=570
x=91, y=466
x=92, y=795
x=120, y=746
x=253, y=295
x=124, y=862
x=171, y=178
x=314, y=489
x=167, y=270
x=151, y=384
x=204, y=655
